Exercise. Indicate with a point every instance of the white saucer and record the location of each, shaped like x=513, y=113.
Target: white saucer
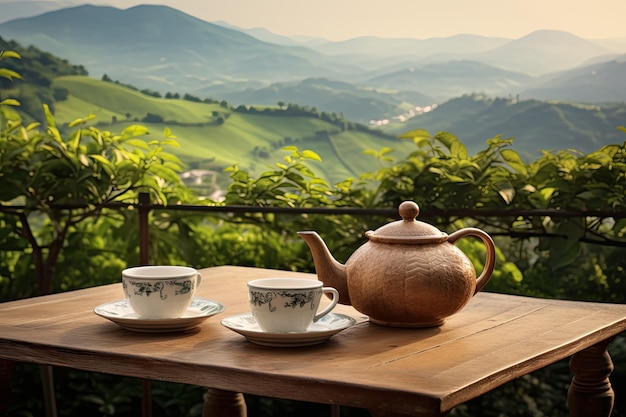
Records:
x=246, y=325
x=121, y=313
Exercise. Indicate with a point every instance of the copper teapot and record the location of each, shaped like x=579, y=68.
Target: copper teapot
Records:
x=408, y=273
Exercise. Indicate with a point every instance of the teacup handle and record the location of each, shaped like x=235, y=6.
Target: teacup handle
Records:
x=199, y=280
x=329, y=307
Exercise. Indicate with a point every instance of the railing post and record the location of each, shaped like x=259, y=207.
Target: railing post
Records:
x=144, y=244
x=144, y=236
x=6, y=372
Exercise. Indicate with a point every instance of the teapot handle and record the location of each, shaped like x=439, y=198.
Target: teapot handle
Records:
x=490, y=263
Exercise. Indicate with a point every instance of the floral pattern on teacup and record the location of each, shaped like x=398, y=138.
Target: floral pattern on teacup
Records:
x=298, y=299
x=142, y=288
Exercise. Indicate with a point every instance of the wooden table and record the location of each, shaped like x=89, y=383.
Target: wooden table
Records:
x=390, y=371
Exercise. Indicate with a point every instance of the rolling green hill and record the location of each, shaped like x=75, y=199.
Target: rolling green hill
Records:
x=355, y=103
x=535, y=125
x=214, y=137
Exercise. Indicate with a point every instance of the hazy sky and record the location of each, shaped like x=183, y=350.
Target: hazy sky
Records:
x=343, y=19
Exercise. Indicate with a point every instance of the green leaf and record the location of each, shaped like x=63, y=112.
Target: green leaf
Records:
x=164, y=172
x=50, y=118
x=565, y=251
x=513, y=271
x=83, y=159
x=74, y=141
x=458, y=149
x=82, y=121
x=138, y=143
x=134, y=131
x=7, y=73
x=415, y=134
x=167, y=133
x=170, y=142
x=9, y=102
x=308, y=154
x=547, y=193
x=448, y=139
x=507, y=193
x=513, y=160
x=101, y=159
x=10, y=54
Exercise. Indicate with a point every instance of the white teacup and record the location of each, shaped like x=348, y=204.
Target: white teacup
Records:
x=160, y=291
x=287, y=305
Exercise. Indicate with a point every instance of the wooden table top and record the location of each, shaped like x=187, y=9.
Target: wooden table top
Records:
x=494, y=339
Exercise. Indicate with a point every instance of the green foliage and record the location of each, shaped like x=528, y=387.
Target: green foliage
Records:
x=34, y=66
x=41, y=169
x=28, y=78
x=443, y=178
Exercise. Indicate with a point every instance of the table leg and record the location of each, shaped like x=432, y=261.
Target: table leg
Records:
x=590, y=393
x=220, y=403
x=146, y=398
x=6, y=373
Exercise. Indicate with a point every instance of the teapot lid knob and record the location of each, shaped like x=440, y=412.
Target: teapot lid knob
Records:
x=408, y=210
x=408, y=230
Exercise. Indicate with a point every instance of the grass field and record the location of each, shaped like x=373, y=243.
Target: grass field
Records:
x=207, y=143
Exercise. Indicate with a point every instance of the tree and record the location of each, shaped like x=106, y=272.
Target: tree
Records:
x=190, y=97
x=42, y=168
x=152, y=118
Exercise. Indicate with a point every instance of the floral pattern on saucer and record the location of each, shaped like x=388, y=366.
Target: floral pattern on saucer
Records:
x=122, y=314
x=320, y=331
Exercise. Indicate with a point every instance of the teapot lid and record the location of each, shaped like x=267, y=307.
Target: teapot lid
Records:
x=408, y=230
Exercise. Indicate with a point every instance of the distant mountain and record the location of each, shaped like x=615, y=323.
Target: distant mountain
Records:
x=615, y=45
x=356, y=103
x=535, y=125
x=603, y=82
x=17, y=9
x=455, y=78
x=543, y=51
x=162, y=48
x=165, y=50
x=383, y=48
x=265, y=35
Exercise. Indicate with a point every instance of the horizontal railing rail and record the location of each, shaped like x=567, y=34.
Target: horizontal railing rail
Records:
x=144, y=206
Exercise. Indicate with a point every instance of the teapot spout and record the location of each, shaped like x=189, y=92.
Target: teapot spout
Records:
x=328, y=269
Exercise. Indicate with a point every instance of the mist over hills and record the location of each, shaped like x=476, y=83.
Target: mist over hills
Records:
x=452, y=79
x=596, y=83
x=163, y=49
